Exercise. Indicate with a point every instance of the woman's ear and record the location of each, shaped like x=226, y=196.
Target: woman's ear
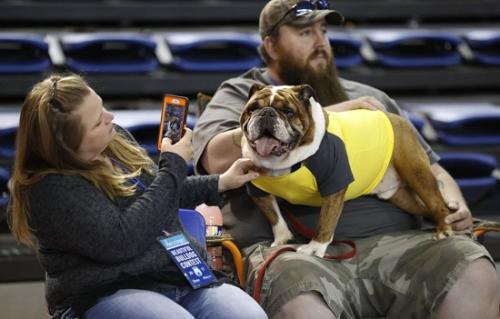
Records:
x=270, y=47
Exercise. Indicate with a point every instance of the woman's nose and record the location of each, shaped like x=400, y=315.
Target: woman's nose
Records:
x=110, y=116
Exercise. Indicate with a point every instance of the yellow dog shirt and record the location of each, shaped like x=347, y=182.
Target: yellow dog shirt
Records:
x=355, y=152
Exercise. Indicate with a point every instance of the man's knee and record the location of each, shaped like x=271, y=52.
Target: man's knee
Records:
x=474, y=294
x=481, y=273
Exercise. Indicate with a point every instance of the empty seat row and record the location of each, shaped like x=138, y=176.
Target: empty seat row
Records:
x=476, y=173
x=450, y=124
x=458, y=123
x=209, y=51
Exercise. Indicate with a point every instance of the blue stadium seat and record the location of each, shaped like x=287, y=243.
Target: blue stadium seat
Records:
x=23, y=53
x=213, y=51
x=194, y=223
x=109, y=52
x=4, y=197
x=485, y=45
x=415, y=48
x=346, y=49
x=417, y=121
x=8, y=142
x=464, y=124
x=473, y=173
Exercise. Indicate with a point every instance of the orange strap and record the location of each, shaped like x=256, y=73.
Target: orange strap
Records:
x=238, y=261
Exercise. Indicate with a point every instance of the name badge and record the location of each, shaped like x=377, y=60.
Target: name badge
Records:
x=187, y=259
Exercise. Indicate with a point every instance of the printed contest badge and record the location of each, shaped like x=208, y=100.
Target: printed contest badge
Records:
x=188, y=260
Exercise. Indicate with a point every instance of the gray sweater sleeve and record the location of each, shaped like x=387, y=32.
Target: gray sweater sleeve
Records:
x=69, y=213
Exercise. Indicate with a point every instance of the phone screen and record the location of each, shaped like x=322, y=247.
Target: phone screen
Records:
x=173, y=118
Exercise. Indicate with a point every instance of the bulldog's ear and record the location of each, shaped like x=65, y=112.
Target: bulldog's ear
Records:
x=256, y=87
x=305, y=91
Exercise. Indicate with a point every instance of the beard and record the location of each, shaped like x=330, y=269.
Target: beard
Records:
x=325, y=82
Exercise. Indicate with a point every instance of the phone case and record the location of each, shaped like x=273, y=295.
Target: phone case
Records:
x=173, y=118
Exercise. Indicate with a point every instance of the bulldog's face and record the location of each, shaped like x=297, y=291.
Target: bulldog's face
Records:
x=277, y=120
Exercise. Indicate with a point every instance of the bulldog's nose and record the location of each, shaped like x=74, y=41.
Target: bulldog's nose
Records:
x=268, y=111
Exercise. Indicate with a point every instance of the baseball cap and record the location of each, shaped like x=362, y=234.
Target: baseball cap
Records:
x=278, y=12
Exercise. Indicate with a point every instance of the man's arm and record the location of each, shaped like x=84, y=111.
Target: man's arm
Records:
x=461, y=217
x=222, y=150
x=363, y=102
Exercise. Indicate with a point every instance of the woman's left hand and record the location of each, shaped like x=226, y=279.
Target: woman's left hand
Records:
x=240, y=172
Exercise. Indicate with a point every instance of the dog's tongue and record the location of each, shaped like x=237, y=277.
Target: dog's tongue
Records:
x=265, y=145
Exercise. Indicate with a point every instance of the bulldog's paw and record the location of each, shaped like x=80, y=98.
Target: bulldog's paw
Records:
x=281, y=235
x=443, y=233
x=313, y=248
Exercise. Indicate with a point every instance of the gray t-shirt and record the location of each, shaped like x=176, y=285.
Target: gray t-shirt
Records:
x=361, y=217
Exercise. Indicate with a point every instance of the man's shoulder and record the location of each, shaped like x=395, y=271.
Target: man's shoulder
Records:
x=254, y=75
x=356, y=89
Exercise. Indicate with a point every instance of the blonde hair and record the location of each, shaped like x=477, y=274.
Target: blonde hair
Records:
x=48, y=137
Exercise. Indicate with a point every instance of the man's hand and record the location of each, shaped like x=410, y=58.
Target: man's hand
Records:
x=460, y=218
x=363, y=102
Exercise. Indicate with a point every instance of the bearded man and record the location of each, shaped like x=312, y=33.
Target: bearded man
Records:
x=398, y=271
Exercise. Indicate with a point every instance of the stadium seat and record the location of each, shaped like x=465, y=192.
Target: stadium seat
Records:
x=464, y=124
x=4, y=194
x=213, y=51
x=485, y=46
x=473, y=172
x=23, y=53
x=194, y=224
x=8, y=142
x=109, y=52
x=415, y=48
x=346, y=49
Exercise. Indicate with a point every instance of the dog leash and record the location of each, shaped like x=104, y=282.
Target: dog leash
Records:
x=307, y=233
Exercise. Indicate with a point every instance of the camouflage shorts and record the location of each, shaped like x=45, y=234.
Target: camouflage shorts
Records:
x=389, y=275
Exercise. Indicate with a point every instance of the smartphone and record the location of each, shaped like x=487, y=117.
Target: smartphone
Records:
x=173, y=118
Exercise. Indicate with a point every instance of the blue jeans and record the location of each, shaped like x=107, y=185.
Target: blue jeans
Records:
x=225, y=301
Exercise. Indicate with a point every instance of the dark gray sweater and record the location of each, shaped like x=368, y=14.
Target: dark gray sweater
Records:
x=91, y=246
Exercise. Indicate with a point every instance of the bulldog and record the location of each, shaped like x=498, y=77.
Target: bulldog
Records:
x=319, y=158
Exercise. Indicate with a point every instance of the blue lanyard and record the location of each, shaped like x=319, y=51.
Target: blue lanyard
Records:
x=137, y=182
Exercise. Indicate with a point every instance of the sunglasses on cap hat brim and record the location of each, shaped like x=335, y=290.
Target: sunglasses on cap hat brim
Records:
x=303, y=8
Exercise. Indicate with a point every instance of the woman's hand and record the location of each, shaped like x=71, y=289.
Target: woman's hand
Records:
x=363, y=102
x=183, y=147
x=240, y=172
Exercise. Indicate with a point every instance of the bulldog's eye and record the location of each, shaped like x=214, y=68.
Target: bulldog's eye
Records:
x=287, y=111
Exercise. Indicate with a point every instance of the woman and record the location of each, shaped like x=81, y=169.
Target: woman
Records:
x=95, y=204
